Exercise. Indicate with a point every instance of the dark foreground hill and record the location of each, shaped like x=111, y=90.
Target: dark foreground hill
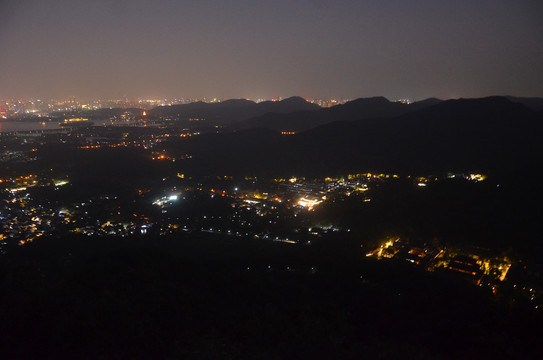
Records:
x=133, y=299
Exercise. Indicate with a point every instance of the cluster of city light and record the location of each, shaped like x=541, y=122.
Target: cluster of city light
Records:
x=161, y=157
x=379, y=251
x=308, y=203
x=121, y=144
x=476, y=177
x=72, y=120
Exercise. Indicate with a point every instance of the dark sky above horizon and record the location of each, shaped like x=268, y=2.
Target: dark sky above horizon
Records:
x=263, y=49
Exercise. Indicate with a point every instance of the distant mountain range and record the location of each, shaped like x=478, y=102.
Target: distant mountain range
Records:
x=293, y=114
x=375, y=107
x=229, y=111
x=491, y=134
x=468, y=134
x=365, y=108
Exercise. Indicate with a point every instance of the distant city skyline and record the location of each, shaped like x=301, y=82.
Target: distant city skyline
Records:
x=244, y=49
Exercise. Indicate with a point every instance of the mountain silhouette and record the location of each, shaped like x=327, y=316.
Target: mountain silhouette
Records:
x=374, y=107
x=487, y=135
x=533, y=103
x=230, y=111
x=468, y=134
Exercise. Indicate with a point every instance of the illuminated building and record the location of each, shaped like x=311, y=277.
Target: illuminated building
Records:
x=467, y=266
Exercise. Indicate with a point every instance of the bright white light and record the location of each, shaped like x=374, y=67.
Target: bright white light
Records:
x=60, y=182
x=165, y=199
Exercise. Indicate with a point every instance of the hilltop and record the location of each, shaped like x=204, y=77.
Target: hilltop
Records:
x=230, y=111
x=363, y=108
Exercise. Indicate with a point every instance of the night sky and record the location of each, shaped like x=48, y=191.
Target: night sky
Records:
x=263, y=49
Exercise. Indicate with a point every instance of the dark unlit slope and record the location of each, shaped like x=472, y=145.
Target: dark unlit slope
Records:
x=486, y=134
x=489, y=134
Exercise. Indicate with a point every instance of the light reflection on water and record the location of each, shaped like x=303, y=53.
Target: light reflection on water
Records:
x=9, y=126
